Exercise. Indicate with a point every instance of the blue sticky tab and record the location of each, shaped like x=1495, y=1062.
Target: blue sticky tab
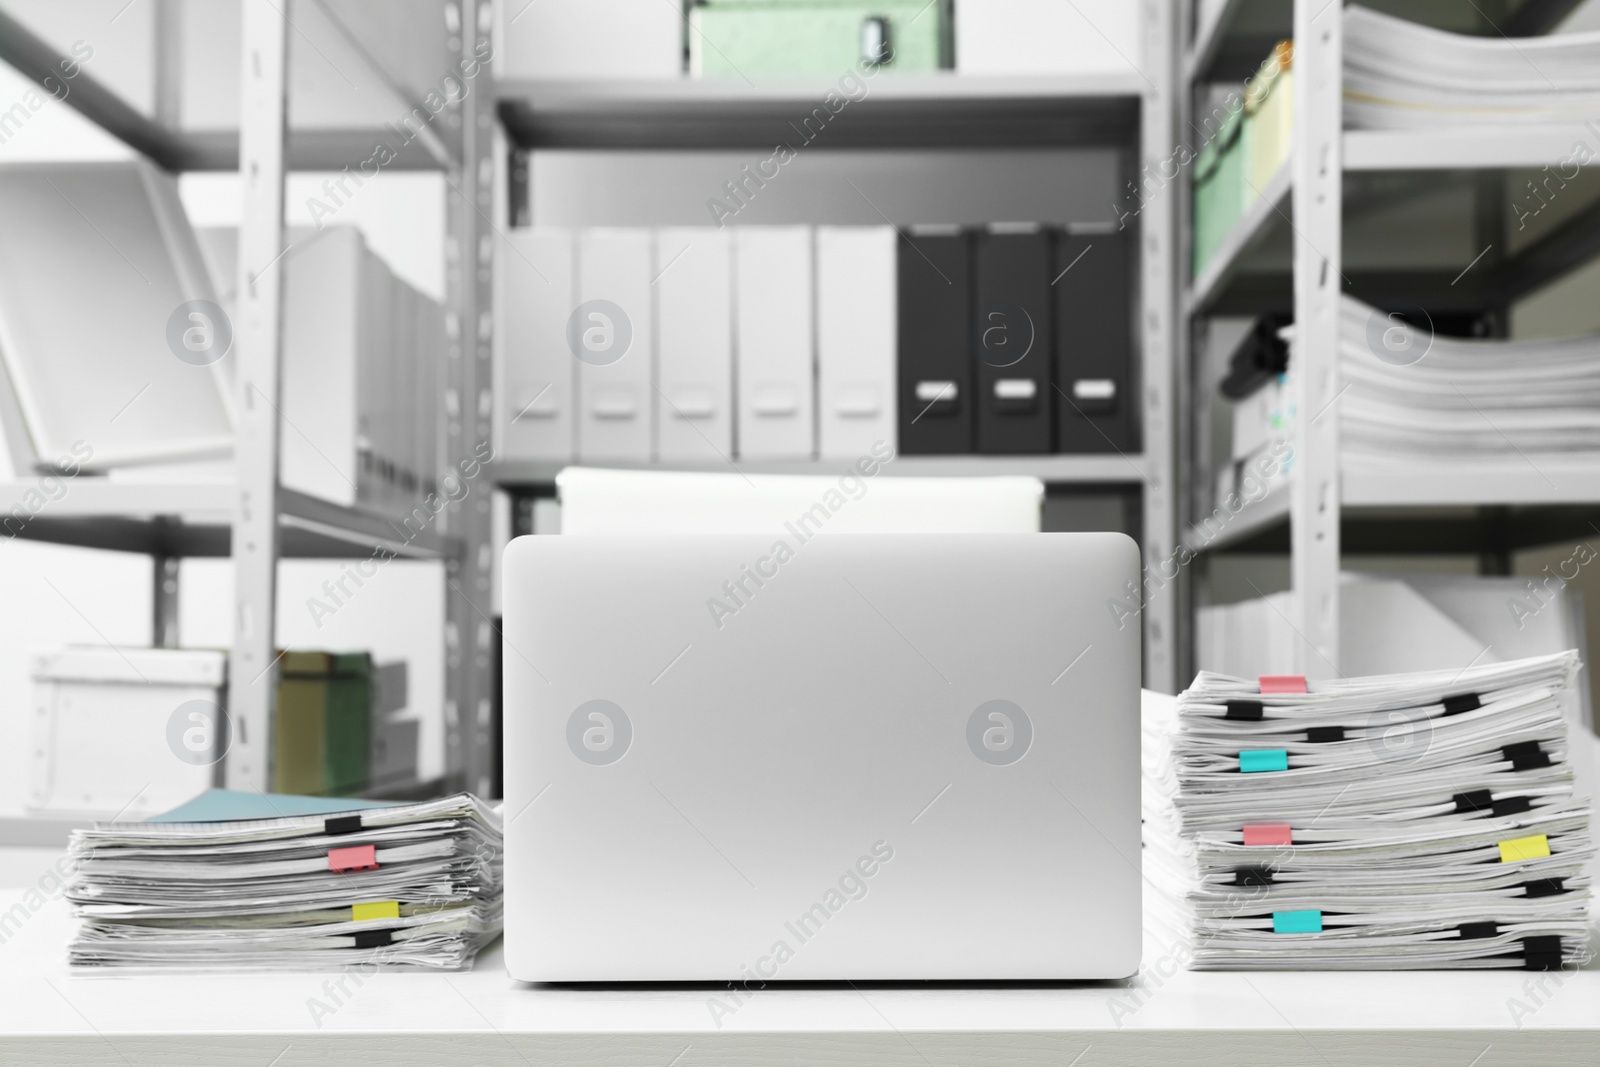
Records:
x=1264, y=759
x=1297, y=922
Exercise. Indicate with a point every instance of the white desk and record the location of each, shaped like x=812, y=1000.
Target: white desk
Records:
x=1437, y=1019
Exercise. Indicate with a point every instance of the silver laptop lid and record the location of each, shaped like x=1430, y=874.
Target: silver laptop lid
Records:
x=748, y=759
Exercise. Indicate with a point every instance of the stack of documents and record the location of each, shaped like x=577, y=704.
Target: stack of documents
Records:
x=1463, y=401
x=323, y=886
x=1399, y=821
x=1396, y=624
x=1399, y=75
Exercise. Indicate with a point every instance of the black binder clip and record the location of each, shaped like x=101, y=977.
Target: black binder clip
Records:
x=374, y=938
x=1525, y=755
x=1244, y=710
x=1541, y=953
x=1513, y=805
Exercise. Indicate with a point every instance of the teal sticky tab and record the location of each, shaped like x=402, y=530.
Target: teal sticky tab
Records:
x=1264, y=759
x=1297, y=922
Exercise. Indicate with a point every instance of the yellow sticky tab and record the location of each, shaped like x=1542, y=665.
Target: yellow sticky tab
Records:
x=390, y=909
x=1524, y=848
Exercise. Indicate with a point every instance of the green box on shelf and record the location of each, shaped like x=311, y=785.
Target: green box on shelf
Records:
x=322, y=727
x=796, y=38
x=1220, y=190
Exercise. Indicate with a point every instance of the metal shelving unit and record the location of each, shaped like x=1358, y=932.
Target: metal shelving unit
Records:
x=1107, y=469
x=943, y=110
x=1332, y=506
x=253, y=518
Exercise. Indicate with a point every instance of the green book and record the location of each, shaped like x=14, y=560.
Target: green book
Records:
x=322, y=729
x=349, y=723
x=299, y=725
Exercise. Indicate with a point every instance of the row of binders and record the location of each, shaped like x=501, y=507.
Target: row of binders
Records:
x=249, y=882
x=1399, y=75
x=363, y=369
x=1421, y=820
x=143, y=375
x=793, y=342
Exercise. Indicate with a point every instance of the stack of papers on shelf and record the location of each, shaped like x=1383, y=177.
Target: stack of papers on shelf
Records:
x=1395, y=624
x=1399, y=75
x=322, y=886
x=1463, y=401
x=1387, y=822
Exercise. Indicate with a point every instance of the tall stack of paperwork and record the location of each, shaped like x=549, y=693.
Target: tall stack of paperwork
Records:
x=322, y=886
x=1415, y=396
x=1401, y=821
x=1399, y=75
x=1394, y=624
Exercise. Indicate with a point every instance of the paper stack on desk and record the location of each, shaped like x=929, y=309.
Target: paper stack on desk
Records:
x=1412, y=395
x=1400, y=821
x=1399, y=75
x=322, y=886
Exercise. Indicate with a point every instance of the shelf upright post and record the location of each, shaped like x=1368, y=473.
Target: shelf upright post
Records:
x=252, y=667
x=1157, y=272
x=1314, y=362
x=1189, y=451
x=470, y=634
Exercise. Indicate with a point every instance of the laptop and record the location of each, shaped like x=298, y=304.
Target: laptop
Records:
x=755, y=758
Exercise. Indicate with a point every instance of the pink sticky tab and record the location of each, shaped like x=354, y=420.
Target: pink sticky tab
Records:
x=1268, y=833
x=1283, y=683
x=355, y=858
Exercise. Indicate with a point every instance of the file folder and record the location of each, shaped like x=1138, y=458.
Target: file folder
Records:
x=774, y=366
x=408, y=443
x=935, y=360
x=855, y=339
x=1094, y=342
x=536, y=374
x=329, y=356
x=612, y=328
x=1011, y=343
x=376, y=414
x=694, y=309
x=431, y=423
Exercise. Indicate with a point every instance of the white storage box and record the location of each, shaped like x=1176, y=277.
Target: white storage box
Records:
x=566, y=40
x=128, y=732
x=1019, y=37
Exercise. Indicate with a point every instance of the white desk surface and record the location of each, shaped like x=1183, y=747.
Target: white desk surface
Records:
x=50, y=1016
